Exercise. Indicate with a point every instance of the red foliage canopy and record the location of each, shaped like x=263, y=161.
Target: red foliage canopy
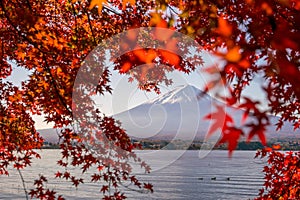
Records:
x=282, y=175
x=52, y=38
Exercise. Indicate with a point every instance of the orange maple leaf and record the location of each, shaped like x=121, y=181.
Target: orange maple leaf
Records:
x=21, y=55
x=157, y=21
x=39, y=35
x=131, y=2
x=170, y=58
x=98, y=3
x=224, y=28
x=125, y=67
x=233, y=54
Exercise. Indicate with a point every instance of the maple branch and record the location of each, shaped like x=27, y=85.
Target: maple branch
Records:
x=23, y=183
x=108, y=171
x=27, y=2
x=55, y=16
x=52, y=80
x=54, y=83
x=111, y=10
x=172, y=9
x=76, y=23
x=132, y=189
x=277, y=11
x=29, y=6
x=91, y=27
x=2, y=50
x=109, y=183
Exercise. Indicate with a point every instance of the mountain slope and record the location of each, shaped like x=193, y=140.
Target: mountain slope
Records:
x=179, y=114
x=49, y=135
x=176, y=113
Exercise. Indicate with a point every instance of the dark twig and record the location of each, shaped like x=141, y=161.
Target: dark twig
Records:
x=23, y=183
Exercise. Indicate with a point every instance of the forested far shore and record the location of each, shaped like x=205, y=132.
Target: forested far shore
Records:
x=284, y=144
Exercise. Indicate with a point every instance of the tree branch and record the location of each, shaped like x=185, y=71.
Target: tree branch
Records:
x=23, y=183
x=52, y=80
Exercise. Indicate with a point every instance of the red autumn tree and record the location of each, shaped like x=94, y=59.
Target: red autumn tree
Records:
x=281, y=175
x=253, y=38
x=52, y=39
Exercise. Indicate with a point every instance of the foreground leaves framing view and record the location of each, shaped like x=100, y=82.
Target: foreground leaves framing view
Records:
x=52, y=38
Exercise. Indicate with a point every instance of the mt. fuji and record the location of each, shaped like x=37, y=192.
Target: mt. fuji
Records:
x=181, y=94
x=179, y=114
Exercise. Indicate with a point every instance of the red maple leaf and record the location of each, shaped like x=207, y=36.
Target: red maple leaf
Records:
x=220, y=120
x=148, y=186
x=58, y=174
x=231, y=136
x=259, y=131
x=104, y=188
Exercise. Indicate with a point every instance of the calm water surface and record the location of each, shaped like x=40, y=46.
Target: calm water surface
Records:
x=214, y=177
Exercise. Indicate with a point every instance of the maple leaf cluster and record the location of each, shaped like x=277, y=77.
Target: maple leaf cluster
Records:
x=282, y=175
x=51, y=39
x=252, y=39
x=18, y=136
x=42, y=193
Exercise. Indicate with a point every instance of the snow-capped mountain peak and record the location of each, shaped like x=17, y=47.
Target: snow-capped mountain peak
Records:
x=181, y=94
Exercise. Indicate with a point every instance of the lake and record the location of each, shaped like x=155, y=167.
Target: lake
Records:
x=176, y=175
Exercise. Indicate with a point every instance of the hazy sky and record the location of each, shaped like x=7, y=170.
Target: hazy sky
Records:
x=126, y=95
